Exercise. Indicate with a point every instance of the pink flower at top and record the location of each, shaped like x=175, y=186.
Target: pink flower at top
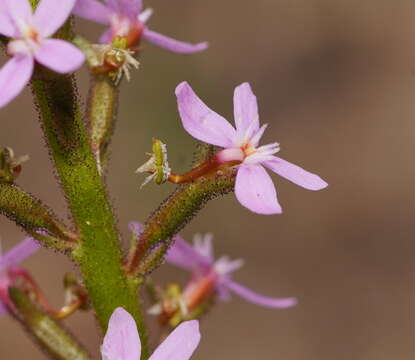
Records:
x=254, y=188
x=29, y=33
x=126, y=18
x=210, y=275
x=10, y=269
x=122, y=341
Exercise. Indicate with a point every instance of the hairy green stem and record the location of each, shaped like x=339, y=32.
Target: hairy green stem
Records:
x=172, y=215
x=52, y=338
x=33, y=216
x=98, y=254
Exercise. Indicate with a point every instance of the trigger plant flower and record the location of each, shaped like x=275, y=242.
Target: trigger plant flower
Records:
x=11, y=272
x=122, y=342
x=253, y=188
x=126, y=18
x=30, y=41
x=211, y=278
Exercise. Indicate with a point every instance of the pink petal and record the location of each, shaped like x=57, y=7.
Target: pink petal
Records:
x=60, y=56
x=183, y=255
x=93, y=10
x=20, y=252
x=50, y=15
x=180, y=344
x=14, y=76
x=106, y=37
x=245, y=109
x=254, y=189
x=200, y=121
x=121, y=340
x=7, y=26
x=130, y=8
x=203, y=245
x=172, y=44
x=295, y=174
x=253, y=297
x=19, y=10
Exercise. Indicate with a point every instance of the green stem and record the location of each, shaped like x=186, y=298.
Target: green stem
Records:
x=33, y=216
x=172, y=215
x=98, y=254
x=52, y=338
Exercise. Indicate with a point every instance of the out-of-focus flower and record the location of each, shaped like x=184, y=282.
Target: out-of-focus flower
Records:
x=30, y=34
x=126, y=18
x=254, y=188
x=10, y=270
x=122, y=341
x=210, y=277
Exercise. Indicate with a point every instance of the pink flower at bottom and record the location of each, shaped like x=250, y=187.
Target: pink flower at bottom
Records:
x=199, y=260
x=10, y=269
x=254, y=188
x=29, y=33
x=122, y=341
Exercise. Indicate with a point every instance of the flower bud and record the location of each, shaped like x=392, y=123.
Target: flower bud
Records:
x=157, y=165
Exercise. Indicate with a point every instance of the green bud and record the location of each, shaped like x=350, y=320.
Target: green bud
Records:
x=157, y=165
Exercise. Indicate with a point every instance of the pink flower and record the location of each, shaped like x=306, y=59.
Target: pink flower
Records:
x=10, y=270
x=254, y=188
x=126, y=18
x=122, y=341
x=30, y=41
x=214, y=275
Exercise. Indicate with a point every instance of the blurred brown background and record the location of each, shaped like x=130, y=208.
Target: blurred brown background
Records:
x=335, y=81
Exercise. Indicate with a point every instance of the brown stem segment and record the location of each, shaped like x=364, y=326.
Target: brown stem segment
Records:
x=200, y=170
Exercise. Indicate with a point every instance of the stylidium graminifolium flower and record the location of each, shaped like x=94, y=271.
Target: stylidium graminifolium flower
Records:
x=126, y=18
x=199, y=260
x=122, y=341
x=253, y=188
x=10, y=269
x=29, y=33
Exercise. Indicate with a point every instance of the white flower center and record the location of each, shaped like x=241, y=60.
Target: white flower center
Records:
x=29, y=42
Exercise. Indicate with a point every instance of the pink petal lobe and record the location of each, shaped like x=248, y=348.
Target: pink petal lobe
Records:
x=121, y=340
x=183, y=255
x=93, y=10
x=50, y=15
x=295, y=174
x=201, y=122
x=255, y=298
x=180, y=344
x=245, y=109
x=131, y=8
x=255, y=190
x=18, y=10
x=172, y=44
x=7, y=27
x=14, y=76
x=60, y=56
x=26, y=248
